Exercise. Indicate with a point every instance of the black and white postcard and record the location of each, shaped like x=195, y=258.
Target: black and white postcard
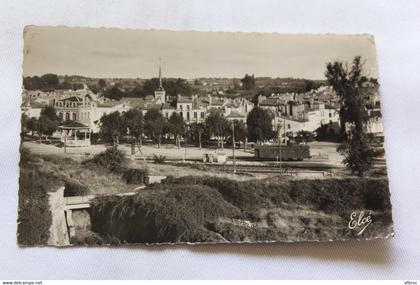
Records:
x=150, y=137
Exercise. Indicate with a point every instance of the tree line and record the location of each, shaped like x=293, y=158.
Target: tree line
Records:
x=153, y=125
x=172, y=87
x=48, y=82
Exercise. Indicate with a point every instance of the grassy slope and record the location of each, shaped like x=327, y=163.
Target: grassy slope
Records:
x=34, y=216
x=209, y=209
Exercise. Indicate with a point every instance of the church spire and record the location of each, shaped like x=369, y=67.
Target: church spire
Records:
x=160, y=75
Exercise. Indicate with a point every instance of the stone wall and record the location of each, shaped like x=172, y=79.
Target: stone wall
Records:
x=58, y=230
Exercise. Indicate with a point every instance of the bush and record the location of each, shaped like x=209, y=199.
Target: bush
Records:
x=135, y=176
x=177, y=214
x=159, y=159
x=74, y=188
x=338, y=196
x=112, y=159
x=34, y=216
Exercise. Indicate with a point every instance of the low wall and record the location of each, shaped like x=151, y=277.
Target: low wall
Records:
x=58, y=229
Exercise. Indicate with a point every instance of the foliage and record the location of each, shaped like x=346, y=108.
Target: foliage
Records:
x=240, y=130
x=259, y=125
x=135, y=176
x=358, y=155
x=348, y=84
x=34, y=216
x=179, y=214
x=112, y=159
x=217, y=126
x=114, y=93
x=48, y=82
x=74, y=188
x=172, y=87
x=155, y=124
x=248, y=82
x=159, y=159
x=133, y=120
x=197, y=130
x=112, y=127
x=176, y=126
x=338, y=196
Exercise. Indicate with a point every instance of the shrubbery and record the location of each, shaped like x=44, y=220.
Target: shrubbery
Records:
x=159, y=159
x=74, y=188
x=112, y=159
x=337, y=196
x=135, y=176
x=177, y=215
x=34, y=216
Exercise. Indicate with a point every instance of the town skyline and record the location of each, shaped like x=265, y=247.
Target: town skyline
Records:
x=135, y=53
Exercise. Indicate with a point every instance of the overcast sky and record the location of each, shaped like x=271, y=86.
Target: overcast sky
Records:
x=136, y=53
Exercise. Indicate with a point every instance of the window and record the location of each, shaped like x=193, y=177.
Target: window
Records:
x=202, y=115
x=74, y=117
x=188, y=107
x=180, y=107
x=67, y=116
x=329, y=115
x=195, y=115
x=181, y=114
x=288, y=126
x=188, y=116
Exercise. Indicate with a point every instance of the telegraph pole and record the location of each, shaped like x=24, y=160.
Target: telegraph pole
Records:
x=279, y=140
x=233, y=150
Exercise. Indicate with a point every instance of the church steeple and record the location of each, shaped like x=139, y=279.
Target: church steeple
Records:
x=160, y=76
x=160, y=94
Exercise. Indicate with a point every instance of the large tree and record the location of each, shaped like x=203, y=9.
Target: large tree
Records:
x=112, y=127
x=241, y=132
x=47, y=123
x=348, y=83
x=134, y=122
x=155, y=125
x=248, y=82
x=217, y=126
x=197, y=130
x=176, y=127
x=259, y=125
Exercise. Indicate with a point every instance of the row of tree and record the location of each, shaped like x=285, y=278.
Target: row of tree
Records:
x=155, y=126
x=45, y=125
x=172, y=87
x=48, y=82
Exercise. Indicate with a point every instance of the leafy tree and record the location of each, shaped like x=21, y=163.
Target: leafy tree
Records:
x=217, y=126
x=101, y=83
x=45, y=82
x=176, y=126
x=197, y=130
x=133, y=120
x=248, y=82
x=50, y=113
x=358, y=155
x=32, y=125
x=114, y=93
x=347, y=83
x=240, y=130
x=46, y=126
x=47, y=123
x=155, y=125
x=112, y=127
x=259, y=125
